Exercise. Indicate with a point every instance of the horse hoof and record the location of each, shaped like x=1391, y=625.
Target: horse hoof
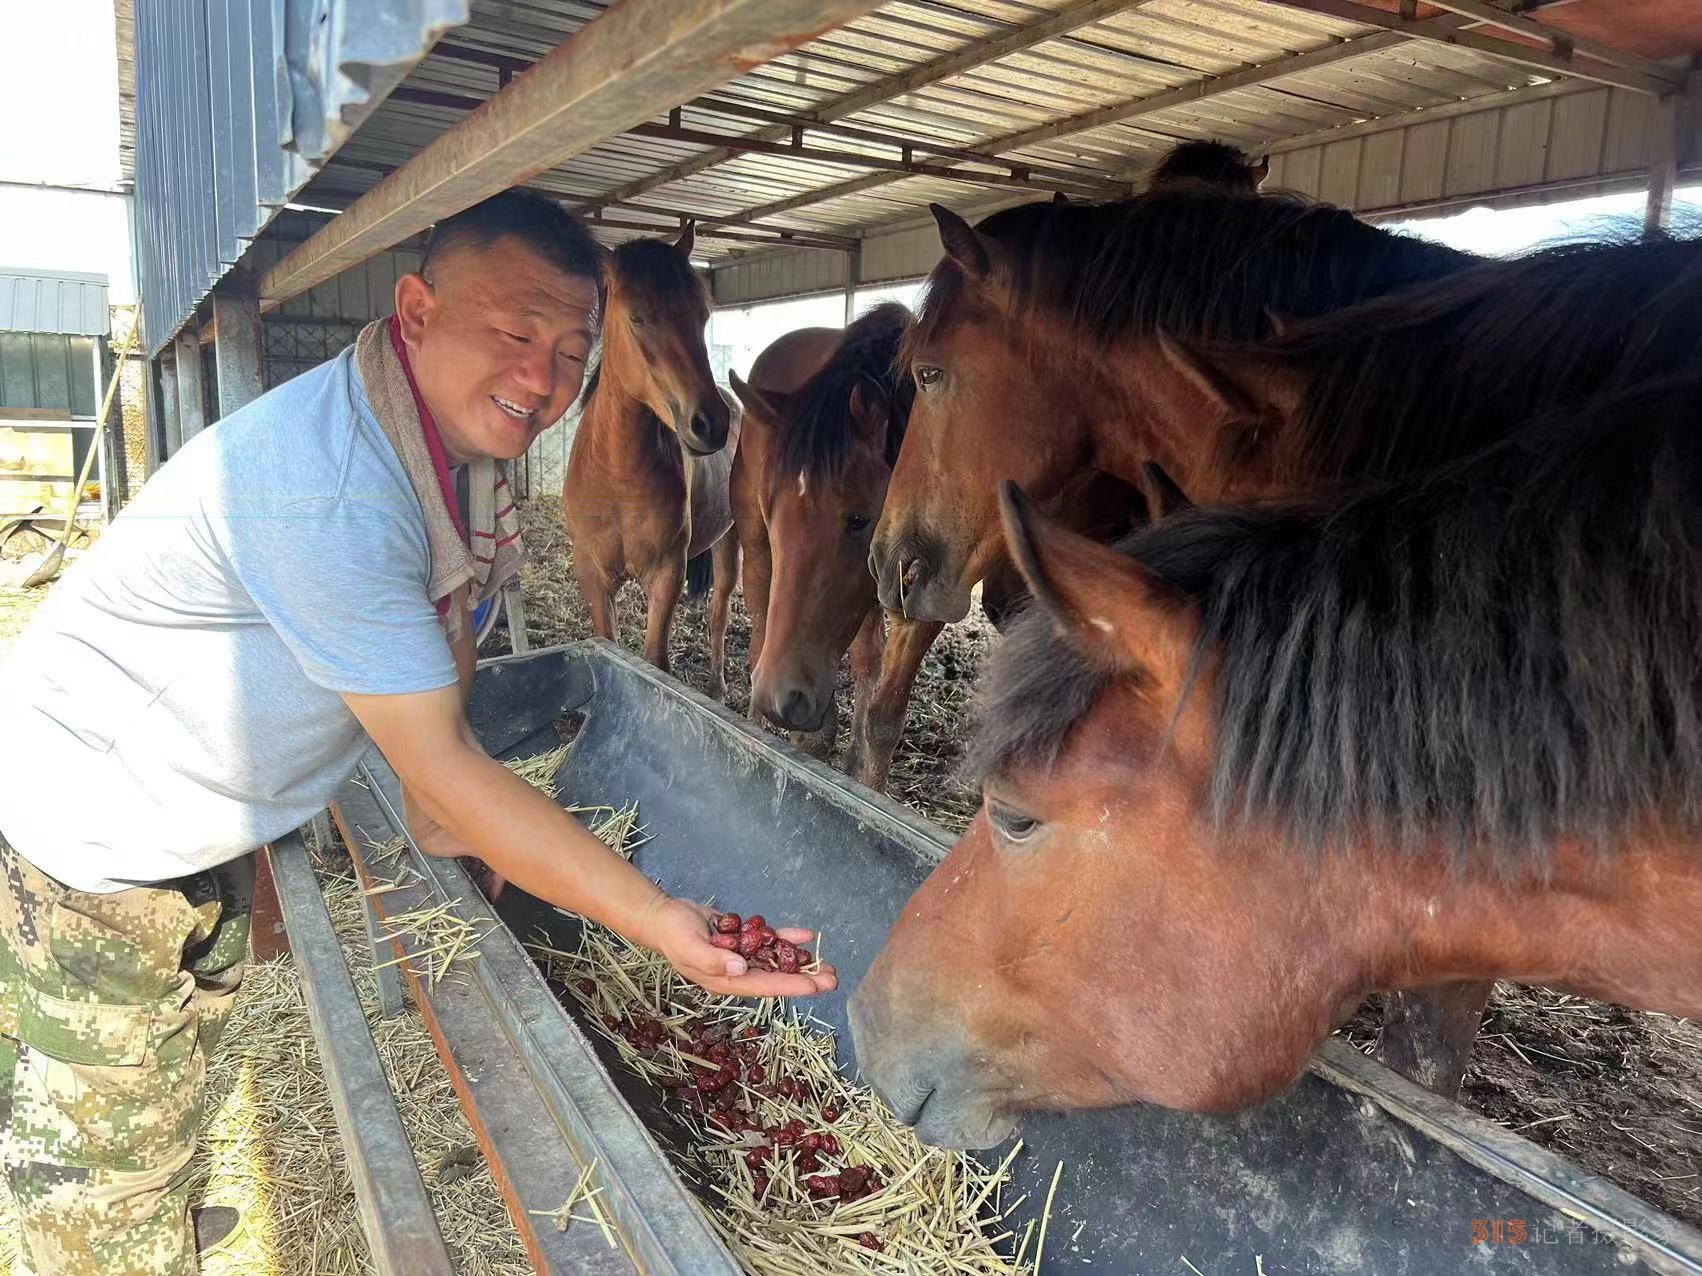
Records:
x=718, y=691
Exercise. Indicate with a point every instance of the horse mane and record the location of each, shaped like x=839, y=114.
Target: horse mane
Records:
x=1194, y=263
x=1485, y=659
x=655, y=268
x=1217, y=164
x=819, y=431
x=1404, y=382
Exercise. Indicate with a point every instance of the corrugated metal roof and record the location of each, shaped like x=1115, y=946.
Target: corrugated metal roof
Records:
x=1093, y=89
x=239, y=105
x=68, y=303
x=1115, y=84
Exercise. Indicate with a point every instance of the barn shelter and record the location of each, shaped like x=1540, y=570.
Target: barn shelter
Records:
x=289, y=157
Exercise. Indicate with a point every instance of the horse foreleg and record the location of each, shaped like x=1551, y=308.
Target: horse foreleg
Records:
x=726, y=559
x=867, y=649
x=598, y=591
x=875, y=737
x=662, y=594
x=757, y=572
x=1428, y=1033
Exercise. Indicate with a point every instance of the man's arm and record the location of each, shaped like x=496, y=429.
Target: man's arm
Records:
x=430, y=836
x=532, y=842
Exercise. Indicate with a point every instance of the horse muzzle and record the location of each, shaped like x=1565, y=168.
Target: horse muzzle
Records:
x=927, y=1082
x=791, y=707
x=910, y=583
x=706, y=432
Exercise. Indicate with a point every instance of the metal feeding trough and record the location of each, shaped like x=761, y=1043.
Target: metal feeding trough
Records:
x=1354, y=1171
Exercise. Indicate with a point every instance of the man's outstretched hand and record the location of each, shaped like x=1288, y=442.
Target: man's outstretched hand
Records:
x=680, y=929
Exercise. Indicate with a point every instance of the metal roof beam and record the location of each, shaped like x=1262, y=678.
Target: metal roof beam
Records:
x=703, y=221
x=1443, y=111
x=774, y=239
x=1010, y=174
x=916, y=145
x=1563, y=44
x=1118, y=113
x=1660, y=80
x=979, y=53
x=636, y=60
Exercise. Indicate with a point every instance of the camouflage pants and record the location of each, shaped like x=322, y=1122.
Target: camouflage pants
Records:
x=108, y=1006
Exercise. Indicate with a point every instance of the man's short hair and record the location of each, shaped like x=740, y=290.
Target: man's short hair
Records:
x=544, y=226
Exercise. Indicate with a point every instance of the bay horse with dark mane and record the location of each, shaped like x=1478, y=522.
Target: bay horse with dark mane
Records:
x=1483, y=346
x=1269, y=759
x=827, y=452
x=646, y=486
x=823, y=447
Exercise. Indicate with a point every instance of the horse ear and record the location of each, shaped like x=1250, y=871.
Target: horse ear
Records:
x=1281, y=324
x=1209, y=377
x=1247, y=387
x=1105, y=604
x=1163, y=497
x=765, y=409
x=871, y=407
x=965, y=245
x=1058, y=197
x=1261, y=170
x=687, y=239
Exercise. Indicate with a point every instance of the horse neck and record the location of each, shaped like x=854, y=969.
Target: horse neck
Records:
x=1618, y=927
x=622, y=432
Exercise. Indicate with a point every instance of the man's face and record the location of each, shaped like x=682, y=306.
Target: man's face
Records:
x=498, y=340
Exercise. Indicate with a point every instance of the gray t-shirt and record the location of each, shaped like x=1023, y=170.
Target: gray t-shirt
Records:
x=174, y=703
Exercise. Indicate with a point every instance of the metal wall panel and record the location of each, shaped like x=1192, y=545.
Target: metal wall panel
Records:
x=1380, y=168
x=73, y=304
x=1472, y=142
x=240, y=102
x=1566, y=135
x=1579, y=124
x=1338, y=182
x=1426, y=165
x=1522, y=158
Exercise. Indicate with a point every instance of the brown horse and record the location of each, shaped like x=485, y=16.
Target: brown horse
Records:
x=1019, y=327
x=1272, y=759
x=828, y=450
x=646, y=486
x=1038, y=340
x=824, y=451
x=782, y=369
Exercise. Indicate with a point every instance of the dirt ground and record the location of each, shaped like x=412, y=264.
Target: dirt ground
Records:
x=1619, y=1092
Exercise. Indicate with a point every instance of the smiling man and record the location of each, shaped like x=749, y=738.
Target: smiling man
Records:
x=200, y=682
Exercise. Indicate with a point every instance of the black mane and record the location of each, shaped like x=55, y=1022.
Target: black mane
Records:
x=655, y=268
x=1499, y=654
x=1404, y=382
x=819, y=431
x=1216, y=164
x=1192, y=263
x=658, y=271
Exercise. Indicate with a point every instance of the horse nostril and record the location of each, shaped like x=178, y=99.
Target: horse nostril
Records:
x=795, y=709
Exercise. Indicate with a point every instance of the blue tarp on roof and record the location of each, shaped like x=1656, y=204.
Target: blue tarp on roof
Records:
x=239, y=102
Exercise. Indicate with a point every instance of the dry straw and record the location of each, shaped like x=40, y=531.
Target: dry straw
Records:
x=936, y=1211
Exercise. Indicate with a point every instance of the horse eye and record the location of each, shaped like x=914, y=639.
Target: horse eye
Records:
x=638, y=321
x=927, y=377
x=855, y=523
x=1012, y=824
